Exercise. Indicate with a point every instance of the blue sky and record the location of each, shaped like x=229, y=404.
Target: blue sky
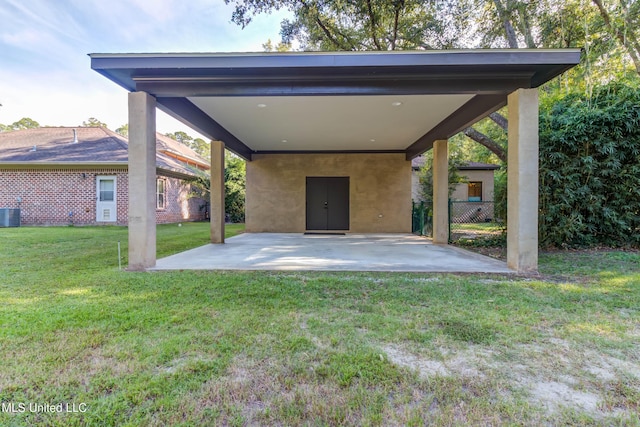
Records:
x=45, y=72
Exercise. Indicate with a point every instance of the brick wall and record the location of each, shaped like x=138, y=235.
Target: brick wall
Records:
x=65, y=196
x=179, y=207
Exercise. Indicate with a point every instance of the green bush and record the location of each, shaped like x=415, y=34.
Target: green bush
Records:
x=234, y=187
x=590, y=169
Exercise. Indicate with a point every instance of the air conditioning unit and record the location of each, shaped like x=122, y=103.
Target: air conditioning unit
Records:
x=9, y=217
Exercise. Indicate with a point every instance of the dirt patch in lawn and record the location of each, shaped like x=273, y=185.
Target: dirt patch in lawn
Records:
x=552, y=376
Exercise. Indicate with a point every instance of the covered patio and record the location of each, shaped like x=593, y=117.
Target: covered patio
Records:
x=329, y=137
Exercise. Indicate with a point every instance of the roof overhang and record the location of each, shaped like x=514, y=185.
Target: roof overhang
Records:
x=39, y=164
x=80, y=166
x=333, y=102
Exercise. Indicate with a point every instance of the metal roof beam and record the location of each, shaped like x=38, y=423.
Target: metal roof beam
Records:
x=475, y=109
x=483, y=85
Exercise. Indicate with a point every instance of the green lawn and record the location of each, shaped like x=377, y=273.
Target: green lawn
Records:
x=260, y=348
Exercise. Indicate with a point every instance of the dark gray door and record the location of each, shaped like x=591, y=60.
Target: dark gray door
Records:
x=327, y=203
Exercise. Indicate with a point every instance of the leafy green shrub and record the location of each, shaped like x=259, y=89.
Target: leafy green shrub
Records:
x=234, y=187
x=590, y=169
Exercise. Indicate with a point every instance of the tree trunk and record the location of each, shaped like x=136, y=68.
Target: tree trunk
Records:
x=372, y=20
x=483, y=139
x=508, y=27
x=525, y=27
x=500, y=120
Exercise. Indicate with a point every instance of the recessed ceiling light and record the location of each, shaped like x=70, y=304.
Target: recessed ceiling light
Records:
x=396, y=104
x=262, y=105
x=284, y=140
x=372, y=140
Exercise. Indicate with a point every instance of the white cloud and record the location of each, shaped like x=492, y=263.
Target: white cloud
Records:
x=45, y=73
x=27, y=36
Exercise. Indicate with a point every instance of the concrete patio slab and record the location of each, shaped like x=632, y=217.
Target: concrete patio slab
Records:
x=351, y=252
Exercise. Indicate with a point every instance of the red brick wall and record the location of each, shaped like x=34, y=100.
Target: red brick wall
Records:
x=179, y=207
x=49, y=196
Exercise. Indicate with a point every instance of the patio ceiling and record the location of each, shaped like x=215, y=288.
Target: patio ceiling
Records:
x=333, y=102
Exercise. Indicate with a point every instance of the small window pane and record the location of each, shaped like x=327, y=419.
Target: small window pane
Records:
x=160, y=191
x=475, y=191
x=106, y=190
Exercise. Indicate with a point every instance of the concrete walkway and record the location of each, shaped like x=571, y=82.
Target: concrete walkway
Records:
x=352, y=252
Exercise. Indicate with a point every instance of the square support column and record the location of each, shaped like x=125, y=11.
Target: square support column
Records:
x=216, y=191
x=142, y=181
x=522, y=186
x=441, y=192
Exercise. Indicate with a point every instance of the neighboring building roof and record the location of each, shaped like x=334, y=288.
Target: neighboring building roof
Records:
x=478, y=166
x=418, y=162
x=176, y=149
x=88, y=145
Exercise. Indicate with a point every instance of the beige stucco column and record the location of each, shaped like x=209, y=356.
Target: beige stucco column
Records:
x=440, y=192
x=217, y=192
x=522, y=187
x=142, y=181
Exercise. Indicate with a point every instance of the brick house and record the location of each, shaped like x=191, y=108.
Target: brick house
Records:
x=63, y=175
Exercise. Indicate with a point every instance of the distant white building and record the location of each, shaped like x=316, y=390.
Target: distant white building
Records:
x=478, y=188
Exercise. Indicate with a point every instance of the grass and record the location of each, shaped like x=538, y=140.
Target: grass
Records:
x=262, y=348
x=477, y=234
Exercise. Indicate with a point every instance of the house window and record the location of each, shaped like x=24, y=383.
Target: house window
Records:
x=160, y=193
x=475, y=191
x=107, y=190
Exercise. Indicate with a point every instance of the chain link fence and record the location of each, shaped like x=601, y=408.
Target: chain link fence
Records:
x=472, y=220
x=422, y=214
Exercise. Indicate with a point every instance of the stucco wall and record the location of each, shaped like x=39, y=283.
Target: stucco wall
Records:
x=416, y=193
x=379, y=191
x=485, y=176
x=68, y=196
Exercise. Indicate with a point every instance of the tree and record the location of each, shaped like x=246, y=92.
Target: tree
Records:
x=123, y=130
x=198, y=145
x=623, y=22
x=234, y=187
x=425, y=174
x=23, y=123
x=180, y=136
x=280, y=47
x=201, y=147
x=94, y=123
x=362, y=24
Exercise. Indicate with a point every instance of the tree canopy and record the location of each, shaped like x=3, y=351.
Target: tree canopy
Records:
x=198, y=145
x=605, y=30
x=94, y=123
x=23, y=123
